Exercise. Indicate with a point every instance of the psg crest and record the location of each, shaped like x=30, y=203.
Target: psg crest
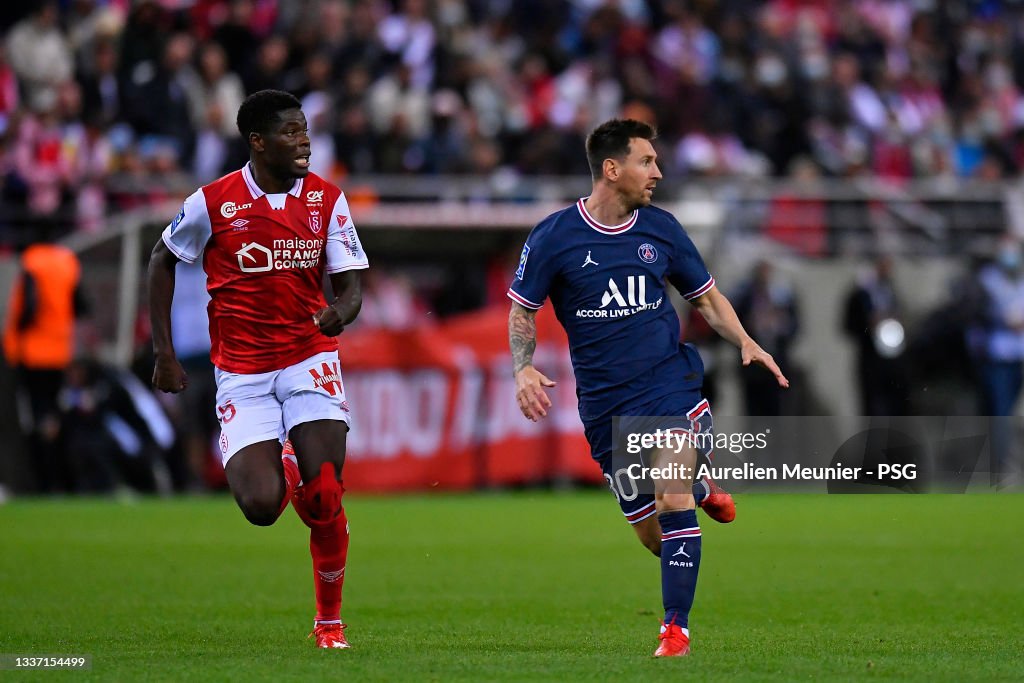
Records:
x=647, y=253
x=314, y=221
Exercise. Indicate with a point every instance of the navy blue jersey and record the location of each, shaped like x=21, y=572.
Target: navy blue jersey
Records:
x=607, y=284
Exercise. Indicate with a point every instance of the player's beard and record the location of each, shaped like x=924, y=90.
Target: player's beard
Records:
x=643, y=200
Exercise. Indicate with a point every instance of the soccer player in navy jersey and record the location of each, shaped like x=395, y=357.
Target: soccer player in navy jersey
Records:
x=603, y=263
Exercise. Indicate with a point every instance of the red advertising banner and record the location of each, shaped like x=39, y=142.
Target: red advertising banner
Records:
x=435, y=407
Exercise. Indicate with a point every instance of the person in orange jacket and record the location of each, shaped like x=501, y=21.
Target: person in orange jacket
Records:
x=39, y=342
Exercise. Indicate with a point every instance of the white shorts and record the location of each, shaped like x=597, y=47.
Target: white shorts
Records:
x=265, y=406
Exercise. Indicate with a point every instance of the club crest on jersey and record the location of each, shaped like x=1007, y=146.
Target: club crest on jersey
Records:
x=647, y=253
x=314, y=221
x=522, y=262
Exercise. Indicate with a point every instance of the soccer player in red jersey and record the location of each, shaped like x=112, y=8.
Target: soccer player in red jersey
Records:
x=266, y=234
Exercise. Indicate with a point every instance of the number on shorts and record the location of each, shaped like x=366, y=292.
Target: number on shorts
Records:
x=618, y=488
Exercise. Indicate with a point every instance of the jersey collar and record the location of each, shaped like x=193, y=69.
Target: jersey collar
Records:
x=255, y=190
x=605, y=229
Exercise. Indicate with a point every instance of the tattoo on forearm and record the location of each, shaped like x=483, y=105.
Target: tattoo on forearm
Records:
x=522, y=336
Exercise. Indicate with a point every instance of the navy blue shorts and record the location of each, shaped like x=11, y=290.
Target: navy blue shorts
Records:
x=683, y=411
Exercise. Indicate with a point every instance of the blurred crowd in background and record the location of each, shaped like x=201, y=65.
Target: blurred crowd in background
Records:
x=97, y=96
x=109, y=105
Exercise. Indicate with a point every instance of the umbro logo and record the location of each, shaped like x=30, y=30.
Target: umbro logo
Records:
x=331, y=577
x=589, y=261
x=239, y=223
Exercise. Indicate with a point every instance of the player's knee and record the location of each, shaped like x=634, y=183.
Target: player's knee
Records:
x=260, y=508
x=676, y=501
x=320, y=500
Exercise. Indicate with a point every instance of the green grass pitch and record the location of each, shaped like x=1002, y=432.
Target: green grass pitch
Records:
x=533, y=586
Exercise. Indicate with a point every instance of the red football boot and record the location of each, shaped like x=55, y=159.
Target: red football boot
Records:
x=718, y=505
x=330, y=636
x=674, y=643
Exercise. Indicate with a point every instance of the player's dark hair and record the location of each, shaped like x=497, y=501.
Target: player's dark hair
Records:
x=259, y=112
x=611, y=139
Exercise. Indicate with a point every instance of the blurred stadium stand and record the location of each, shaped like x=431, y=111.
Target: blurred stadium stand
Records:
x=817, y=133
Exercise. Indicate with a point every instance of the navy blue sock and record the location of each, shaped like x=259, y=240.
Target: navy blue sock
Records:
x=700, y=492
x=680, y=560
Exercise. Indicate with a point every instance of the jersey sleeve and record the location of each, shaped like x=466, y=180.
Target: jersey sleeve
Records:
x=343, y=249
x=688, y=274
x=188, y=233
x=535, y=273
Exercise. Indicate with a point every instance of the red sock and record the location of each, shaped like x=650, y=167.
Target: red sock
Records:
x=291, y=474
x=329, y=547
x=328, y=540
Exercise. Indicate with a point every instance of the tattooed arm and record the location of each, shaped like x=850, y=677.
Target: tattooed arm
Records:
x=522, y=340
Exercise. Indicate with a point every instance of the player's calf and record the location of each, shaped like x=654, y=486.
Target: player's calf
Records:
x=648, y=531
x=318, y=504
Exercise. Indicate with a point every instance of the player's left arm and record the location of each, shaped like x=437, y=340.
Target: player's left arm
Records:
x=721, y=316
x=345, y=258
x=348, y=299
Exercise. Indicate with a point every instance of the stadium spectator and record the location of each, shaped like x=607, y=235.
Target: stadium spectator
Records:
x=38, y=51
x=766, y=305
x=157, y=99
x=113, y=430
x=237, y=35
x=216, y=93
x=10, y=96
x=996, y=343
x=872, y=318
x=101, y=89
x=196, y=423
x=864, y=87
x=409, y=36
x=216, y=86
x=268, y=70
x=39, y=341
